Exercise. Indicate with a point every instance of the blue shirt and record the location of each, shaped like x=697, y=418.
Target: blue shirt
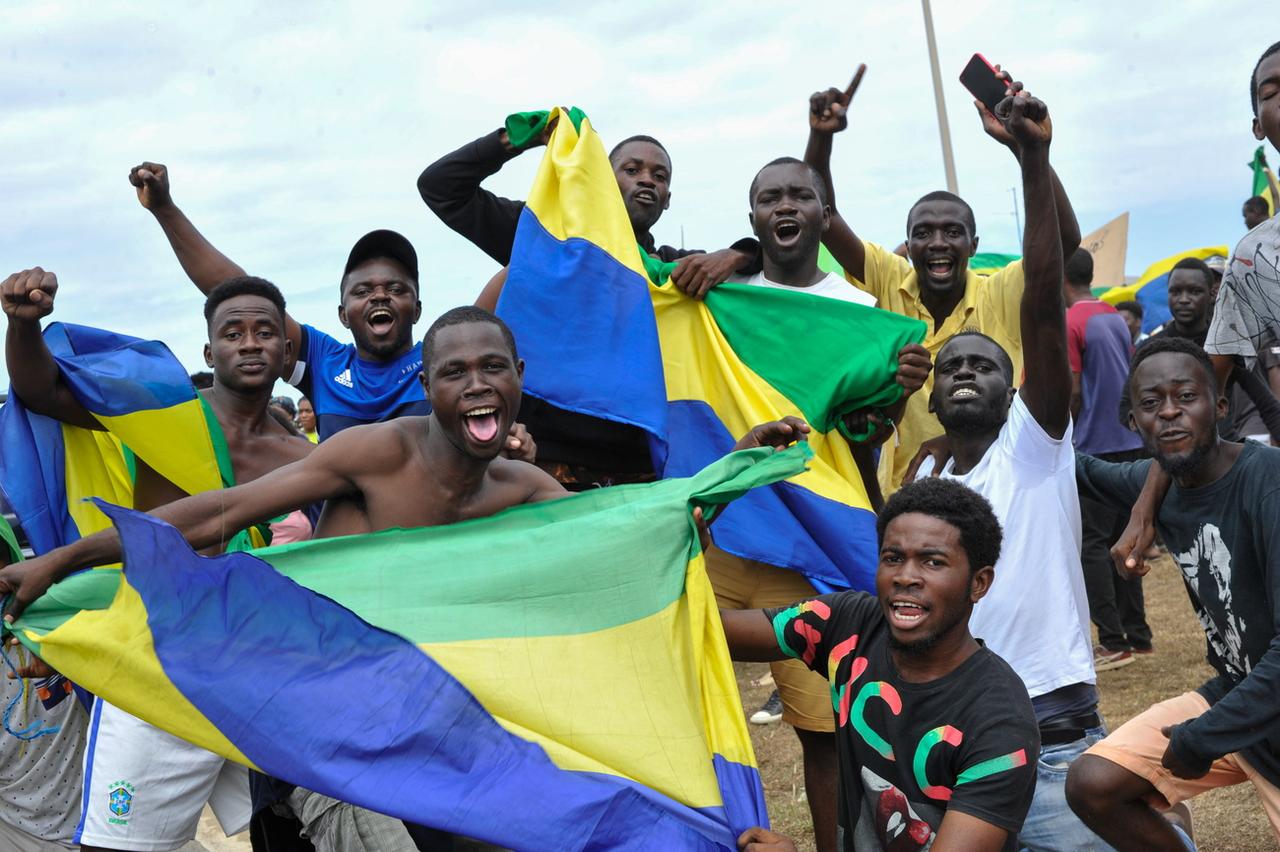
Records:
x=1098, y=348
x=346, y=390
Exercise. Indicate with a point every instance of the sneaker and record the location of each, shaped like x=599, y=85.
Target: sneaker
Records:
x=769, y=712
x=1105, y=660
x=1144, y=652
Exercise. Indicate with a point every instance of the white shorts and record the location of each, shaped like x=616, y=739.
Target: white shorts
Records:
x=144, y=789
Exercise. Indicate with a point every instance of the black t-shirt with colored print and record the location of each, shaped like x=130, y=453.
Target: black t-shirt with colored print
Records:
x=909, y=751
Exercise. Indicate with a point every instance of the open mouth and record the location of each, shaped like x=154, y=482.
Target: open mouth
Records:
x=906, y=614
x=941, y=268
x=646, y=197
x=964, y=392
x=786, y=231
x=481, y=424
x=381, y=320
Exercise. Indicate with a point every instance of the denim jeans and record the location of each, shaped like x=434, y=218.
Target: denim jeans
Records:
x=1051, y=825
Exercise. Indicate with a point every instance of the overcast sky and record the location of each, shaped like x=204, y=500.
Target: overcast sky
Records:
x=291, y=129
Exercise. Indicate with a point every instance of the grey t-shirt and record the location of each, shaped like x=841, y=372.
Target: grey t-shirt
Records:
x=40, y=779
x=1225, y=536
x=1247, y=315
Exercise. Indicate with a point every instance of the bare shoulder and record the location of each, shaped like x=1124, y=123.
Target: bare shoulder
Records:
x=372, y=446
x=535, y=482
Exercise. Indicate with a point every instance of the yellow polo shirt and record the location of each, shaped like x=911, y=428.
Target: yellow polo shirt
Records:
x=991, y=305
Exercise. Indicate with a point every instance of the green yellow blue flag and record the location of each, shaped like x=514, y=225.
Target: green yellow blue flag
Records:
x=1262, y=186
x=554, y=676
x=148, y=409
x=604, y=333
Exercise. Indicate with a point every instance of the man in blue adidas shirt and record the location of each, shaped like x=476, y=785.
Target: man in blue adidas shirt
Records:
x=372, y=379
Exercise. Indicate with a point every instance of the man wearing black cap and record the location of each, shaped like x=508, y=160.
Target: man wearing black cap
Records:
x=372, y=379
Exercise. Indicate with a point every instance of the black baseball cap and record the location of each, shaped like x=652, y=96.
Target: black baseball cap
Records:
x=384, y=243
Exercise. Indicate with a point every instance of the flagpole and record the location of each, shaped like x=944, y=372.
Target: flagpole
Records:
x=944, y=131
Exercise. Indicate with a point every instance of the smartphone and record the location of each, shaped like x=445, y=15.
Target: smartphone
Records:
x=980, y=78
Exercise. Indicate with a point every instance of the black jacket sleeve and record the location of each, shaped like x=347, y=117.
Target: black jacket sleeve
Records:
x=1266, y=403
x=451, y=188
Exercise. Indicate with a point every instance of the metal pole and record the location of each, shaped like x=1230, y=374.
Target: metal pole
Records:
x=1017, y=219
x=948, y=161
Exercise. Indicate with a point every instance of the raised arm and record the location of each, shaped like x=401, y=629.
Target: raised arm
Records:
x=1047, y=388
x=1068, y=226
x=828, y=115
x=451, y=188
x=27, y=297
x=204, y=264
x=205, y=520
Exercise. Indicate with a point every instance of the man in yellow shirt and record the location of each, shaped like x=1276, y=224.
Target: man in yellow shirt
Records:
x=934, y=282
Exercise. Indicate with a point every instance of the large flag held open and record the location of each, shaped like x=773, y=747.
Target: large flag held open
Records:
x=603, y=333
x=143, y=398
x=575, y=691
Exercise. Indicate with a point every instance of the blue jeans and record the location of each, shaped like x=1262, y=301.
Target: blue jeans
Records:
x=1051, y=825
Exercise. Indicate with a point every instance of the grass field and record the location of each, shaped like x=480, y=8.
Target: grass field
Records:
x=1229, y=820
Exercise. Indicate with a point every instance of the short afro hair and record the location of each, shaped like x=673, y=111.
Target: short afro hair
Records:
x=819, y=185
x=1132, y=307
x=244, y=285
x=943, y=195
x=1197, y=265
x=639, y=138
x=1006, y=363
x=1178, y=345
x=1257, y=204
x=462, y=316
x=949, y=501
x=1253, y=78
x=1079, y=269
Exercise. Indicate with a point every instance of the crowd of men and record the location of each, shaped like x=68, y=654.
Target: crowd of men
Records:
x=957, y=705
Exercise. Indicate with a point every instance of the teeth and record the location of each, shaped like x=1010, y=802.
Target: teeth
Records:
x=963, y=392
x=481, y=411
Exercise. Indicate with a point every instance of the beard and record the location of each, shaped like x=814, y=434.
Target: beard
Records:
x=972, y=419
x=1183, y=464
x=804, y=248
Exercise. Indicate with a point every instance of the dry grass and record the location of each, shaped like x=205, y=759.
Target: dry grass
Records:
x=1230, y=820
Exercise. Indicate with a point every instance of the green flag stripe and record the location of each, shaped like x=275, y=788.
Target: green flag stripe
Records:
x=393, y=578
x=761, y=324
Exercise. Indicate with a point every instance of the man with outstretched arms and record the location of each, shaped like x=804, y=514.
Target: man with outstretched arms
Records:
x=416, y=471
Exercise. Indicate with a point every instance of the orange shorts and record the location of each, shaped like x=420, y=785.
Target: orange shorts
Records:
x=747, y=584
x=1138, y=746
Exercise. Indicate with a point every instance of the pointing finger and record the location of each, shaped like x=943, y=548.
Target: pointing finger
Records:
x=855, y=82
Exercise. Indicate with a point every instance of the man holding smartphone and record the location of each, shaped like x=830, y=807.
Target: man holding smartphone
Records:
x=934, y=282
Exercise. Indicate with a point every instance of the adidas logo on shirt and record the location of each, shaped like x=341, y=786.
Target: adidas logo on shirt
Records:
x=344, y=378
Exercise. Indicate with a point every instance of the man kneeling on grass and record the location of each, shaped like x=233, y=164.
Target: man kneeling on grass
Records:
x=936, y=733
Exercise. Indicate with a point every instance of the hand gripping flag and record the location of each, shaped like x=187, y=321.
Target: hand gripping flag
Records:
x=148, y=409
x=551, y=677
x=603, y=333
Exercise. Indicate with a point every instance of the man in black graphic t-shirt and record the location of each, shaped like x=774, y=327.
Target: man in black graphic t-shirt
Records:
x=936, y=735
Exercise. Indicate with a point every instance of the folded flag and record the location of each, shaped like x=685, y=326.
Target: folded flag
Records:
x=149, y=410
x=554, y=676
x=603, y=333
